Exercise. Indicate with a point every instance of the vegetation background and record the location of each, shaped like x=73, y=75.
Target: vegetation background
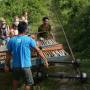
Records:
x=73, y=14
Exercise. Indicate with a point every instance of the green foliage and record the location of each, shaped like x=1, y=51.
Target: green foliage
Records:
x=75, y=17
x=35, y=8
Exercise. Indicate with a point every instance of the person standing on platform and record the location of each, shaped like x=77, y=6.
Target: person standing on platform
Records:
x=44, y=30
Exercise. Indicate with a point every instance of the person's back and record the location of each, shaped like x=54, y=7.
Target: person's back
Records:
x=19, y=47
x=21, y=53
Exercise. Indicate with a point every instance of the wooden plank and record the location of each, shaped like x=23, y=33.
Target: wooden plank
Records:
x=52, y=48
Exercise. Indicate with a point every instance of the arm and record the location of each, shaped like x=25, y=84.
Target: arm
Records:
x=33, y=45
x=52, y=35
x=50, y=32
x=42, y=56
x=38, y=34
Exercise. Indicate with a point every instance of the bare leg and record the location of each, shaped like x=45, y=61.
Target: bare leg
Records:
x=15, y=85
x=27, y=87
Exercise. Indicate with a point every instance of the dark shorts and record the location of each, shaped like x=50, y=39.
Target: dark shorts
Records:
x=24, y=74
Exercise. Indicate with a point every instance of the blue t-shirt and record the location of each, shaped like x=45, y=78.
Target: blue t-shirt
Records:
x=20, y=47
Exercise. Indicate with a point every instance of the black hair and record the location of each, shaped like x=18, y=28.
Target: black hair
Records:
x=13, y=26
x=22, y=27
x=44, y=18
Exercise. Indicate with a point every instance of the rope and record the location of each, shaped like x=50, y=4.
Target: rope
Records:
x=67, y=41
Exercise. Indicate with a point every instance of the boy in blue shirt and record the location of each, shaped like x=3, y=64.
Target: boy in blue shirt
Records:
x=20, y=49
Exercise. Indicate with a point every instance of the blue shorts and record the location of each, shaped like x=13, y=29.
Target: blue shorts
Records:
x=24, y=74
